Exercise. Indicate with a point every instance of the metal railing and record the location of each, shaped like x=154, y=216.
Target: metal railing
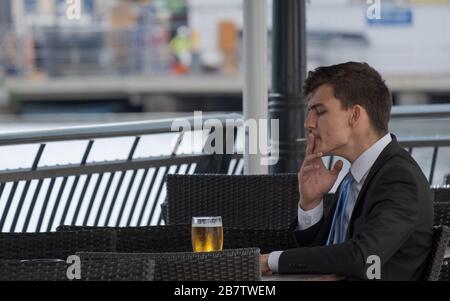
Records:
x=421, y=111
x=434, y=143
x=414, y=144
x=126, y=192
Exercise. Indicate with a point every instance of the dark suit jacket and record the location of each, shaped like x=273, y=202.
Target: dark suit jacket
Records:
x=392, y=218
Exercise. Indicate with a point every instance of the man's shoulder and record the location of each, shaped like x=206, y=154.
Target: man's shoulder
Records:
x=402, y=167
x=403, y=160
x=399, y=177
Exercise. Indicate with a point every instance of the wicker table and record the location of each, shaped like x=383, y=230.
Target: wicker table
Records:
x=302, y=277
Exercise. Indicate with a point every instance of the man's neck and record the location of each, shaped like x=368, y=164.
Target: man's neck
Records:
x=359, y=144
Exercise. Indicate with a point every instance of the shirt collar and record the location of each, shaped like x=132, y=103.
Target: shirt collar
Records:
x=362, y=165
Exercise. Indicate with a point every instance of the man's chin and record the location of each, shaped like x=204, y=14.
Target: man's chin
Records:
x=329, y=152
x=325, y=152
x=319, y=150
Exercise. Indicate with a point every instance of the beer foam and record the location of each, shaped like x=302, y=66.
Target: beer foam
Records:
x=208, y=225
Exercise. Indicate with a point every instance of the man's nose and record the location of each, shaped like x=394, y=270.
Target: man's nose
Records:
x=310, y=122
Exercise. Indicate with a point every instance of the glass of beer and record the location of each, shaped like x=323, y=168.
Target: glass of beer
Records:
x=207, y=234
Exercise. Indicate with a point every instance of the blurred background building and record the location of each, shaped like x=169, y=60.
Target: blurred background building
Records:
x=126, y=60
x=181, y=55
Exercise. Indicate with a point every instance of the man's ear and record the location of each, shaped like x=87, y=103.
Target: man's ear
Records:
x=355, y=116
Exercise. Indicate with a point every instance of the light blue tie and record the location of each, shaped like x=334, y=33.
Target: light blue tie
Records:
x=339, y=220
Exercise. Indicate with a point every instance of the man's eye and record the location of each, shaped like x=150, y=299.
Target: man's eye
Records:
x=320, y=113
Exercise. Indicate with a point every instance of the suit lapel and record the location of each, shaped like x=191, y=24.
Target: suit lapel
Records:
x=329, y=209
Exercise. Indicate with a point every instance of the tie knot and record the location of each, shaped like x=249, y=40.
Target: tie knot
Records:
x=349, y=179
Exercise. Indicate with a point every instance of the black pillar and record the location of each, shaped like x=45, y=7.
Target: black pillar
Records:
x=286, y=101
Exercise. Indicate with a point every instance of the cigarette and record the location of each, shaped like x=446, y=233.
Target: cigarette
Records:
x=301, y=139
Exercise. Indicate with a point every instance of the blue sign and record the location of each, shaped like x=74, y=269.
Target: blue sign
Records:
x=393, y=16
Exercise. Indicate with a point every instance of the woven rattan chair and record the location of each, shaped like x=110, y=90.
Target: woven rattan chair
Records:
x=173, y=238
x=57, y=245
x=441, y=213
x=250, y=201
x=442, y=217
x=441, y=206
x=445, y=270
x=112, y=269
x=229, y=265
x=267, y=240
x=441, y=236
x=441, y=194
x=177, y=238
x=33, y=270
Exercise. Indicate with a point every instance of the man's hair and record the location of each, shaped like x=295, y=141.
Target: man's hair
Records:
x=356, y=83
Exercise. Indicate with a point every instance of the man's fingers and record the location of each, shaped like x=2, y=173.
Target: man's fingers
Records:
x=264, y=265
x=310, y=144
x=312, y=157
x=337, y=167
x=267, y=273
x=309, y=168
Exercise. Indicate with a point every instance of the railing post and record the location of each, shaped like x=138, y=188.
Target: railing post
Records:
x=256, y=75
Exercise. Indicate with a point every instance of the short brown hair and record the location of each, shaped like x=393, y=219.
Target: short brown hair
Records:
x=356, y=83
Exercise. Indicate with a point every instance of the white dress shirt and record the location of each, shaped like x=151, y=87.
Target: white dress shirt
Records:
x=359, y=169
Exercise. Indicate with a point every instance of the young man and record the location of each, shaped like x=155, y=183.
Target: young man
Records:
x=383, y=207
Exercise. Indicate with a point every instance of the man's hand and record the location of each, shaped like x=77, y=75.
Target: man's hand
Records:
x=314, y=179
x=264, y=262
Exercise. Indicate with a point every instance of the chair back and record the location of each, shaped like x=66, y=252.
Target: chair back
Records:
x=249, y=201
x=55, y=245
x=151, y=239
x=441, y=213
x=441, y=236
x=177, y=238
x=441, y=194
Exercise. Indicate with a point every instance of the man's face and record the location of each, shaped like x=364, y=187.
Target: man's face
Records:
x=327, y=121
